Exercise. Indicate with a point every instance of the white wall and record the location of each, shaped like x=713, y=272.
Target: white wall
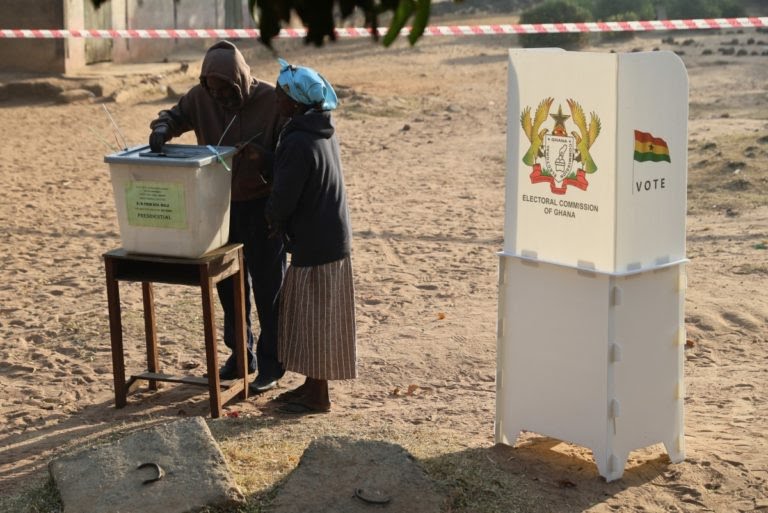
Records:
x=168, y=14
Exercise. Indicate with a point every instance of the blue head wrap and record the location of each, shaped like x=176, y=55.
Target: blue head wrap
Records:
x=306, y=86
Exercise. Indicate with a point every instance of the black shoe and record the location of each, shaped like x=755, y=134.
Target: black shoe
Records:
x=228, y=371
x=262, y=383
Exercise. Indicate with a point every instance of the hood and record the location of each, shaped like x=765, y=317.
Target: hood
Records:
x=224, y=61
x=315, y=122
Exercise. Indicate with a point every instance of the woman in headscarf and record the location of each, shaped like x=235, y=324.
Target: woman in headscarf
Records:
x=308, y=209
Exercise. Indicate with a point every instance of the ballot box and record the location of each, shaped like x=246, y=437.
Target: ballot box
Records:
x=592, y=274
x=174, y=203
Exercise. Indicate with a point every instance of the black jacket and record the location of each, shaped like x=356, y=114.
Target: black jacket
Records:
x=308, y=200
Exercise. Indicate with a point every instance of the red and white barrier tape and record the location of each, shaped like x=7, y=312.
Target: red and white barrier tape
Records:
x=454, y=30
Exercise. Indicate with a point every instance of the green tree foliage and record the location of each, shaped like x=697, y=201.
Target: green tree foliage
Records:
x=317, y=16
x=553, y=11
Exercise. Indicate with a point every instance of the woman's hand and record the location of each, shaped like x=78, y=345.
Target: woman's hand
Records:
x=250, y=152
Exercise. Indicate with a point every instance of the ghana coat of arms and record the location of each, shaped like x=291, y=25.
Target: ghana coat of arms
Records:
x=560, y=158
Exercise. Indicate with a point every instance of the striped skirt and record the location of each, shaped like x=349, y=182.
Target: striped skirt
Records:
x=316, y=334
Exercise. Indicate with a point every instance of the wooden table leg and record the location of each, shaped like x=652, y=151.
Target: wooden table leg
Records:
x=150, y=332
x=228, y=261
x=115, y=333
x=240, y=338
x=210, y=342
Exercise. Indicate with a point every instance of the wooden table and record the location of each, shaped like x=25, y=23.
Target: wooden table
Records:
x=205, y=272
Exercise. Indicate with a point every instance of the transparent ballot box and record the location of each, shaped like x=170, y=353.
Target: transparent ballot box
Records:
x=174, y=203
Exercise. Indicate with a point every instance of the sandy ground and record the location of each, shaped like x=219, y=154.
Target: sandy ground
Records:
x=423, y=140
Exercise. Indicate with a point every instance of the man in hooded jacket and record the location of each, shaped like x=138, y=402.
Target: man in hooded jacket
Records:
x=229, y=107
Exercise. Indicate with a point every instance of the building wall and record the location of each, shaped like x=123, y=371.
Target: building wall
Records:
x=35, y=55
x=74, y=49
x=66, y=55
x=168, y=14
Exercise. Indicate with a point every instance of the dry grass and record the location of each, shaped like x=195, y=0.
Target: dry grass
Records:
x=262, y=452
x=43, y=498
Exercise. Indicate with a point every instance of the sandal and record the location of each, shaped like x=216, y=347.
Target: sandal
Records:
x=289, y=396
x=300, y=408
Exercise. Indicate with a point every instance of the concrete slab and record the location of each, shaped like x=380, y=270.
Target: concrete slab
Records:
x=123, y=475
x=342, y=475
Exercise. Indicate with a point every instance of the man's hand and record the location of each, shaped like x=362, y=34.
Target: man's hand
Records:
x=158, y=137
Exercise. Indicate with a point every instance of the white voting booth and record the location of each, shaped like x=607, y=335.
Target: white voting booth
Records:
x=591, y=278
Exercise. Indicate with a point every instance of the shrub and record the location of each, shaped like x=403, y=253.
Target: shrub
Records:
x=623, y=10
x=555, y=11
x=620, y=36
x=732, y=9
x=705, y=8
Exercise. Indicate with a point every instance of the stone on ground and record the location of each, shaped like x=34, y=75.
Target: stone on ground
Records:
x=341, y=475
x=107, y=477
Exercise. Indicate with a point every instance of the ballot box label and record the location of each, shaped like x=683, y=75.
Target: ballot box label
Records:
x=156, y=204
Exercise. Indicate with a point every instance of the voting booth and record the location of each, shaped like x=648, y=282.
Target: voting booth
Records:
x=592, y=273
x=174, y=203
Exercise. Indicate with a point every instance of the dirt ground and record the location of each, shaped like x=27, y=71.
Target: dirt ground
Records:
x=422, y=133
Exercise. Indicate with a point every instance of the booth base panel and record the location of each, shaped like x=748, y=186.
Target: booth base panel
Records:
x=610, y=463
x=592, y=359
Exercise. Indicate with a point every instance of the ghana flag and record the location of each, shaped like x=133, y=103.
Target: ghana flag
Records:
x=648, y=147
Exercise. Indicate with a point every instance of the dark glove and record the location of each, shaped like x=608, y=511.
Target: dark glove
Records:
x=160, y=134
